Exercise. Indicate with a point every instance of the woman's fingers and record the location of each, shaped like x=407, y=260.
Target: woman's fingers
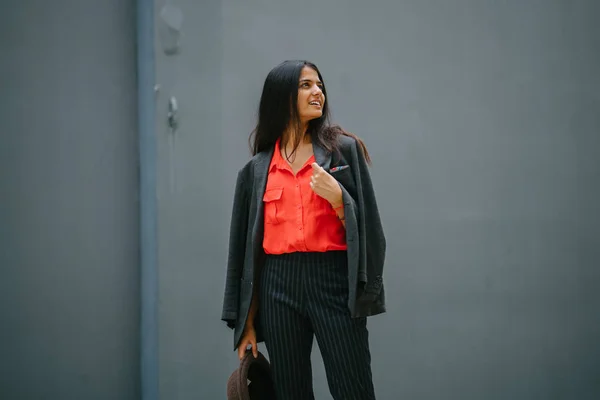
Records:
x=242, y=348
x=249, y=339
x=254, y=347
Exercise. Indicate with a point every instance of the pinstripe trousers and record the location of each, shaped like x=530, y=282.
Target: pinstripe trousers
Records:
x=305, y=295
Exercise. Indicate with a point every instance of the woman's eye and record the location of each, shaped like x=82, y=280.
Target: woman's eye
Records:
x=307, y=85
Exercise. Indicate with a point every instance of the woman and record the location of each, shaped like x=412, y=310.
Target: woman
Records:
x=306, y=247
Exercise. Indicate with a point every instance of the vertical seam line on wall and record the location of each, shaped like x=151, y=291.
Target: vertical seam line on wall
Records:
x=147, y=195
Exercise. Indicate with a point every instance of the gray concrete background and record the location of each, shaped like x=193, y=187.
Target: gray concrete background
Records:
x=482, y=118
x=69, y=274
x=483, y=121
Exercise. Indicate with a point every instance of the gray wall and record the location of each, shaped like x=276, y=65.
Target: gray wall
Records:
x=193, y=345
x=482, y=118
x=69, y=272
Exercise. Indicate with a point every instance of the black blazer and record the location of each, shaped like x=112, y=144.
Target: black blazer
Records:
x=364, y=235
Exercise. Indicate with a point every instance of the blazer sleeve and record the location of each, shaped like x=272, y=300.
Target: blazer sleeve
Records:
x=370, y=226
x=235, y=260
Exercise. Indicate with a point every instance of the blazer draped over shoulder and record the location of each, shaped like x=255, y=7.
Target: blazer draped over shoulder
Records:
x=364, y=235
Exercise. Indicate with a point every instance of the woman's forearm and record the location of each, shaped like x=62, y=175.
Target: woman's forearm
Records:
x=253, y=310
x=338, y=207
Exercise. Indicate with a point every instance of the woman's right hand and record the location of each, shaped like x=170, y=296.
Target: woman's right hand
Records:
x=248, y=339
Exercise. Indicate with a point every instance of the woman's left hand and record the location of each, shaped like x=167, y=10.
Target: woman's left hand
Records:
x=325, y=185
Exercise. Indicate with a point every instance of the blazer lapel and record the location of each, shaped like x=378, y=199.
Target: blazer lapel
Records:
x=261, y=171
x=322, y=156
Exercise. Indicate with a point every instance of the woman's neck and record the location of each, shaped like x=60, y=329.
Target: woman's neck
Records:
x=288, y=143
x=290, y=136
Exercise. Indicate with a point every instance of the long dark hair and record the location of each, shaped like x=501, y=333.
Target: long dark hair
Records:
x=278, y=110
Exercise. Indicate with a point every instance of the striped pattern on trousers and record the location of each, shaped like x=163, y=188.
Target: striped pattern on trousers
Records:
x=305, y=295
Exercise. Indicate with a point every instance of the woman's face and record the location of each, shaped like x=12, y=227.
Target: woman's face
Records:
x=311, y=99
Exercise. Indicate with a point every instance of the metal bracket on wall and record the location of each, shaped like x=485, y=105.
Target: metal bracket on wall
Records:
x=170, y=29
x=172, y=114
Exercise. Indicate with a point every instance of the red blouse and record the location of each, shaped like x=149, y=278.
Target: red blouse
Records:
x=296, y=218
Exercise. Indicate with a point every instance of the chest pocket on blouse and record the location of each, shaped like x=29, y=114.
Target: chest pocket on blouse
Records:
x=272, y=200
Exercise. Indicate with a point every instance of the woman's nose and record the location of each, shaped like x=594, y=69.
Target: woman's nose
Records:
x=317, y=90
